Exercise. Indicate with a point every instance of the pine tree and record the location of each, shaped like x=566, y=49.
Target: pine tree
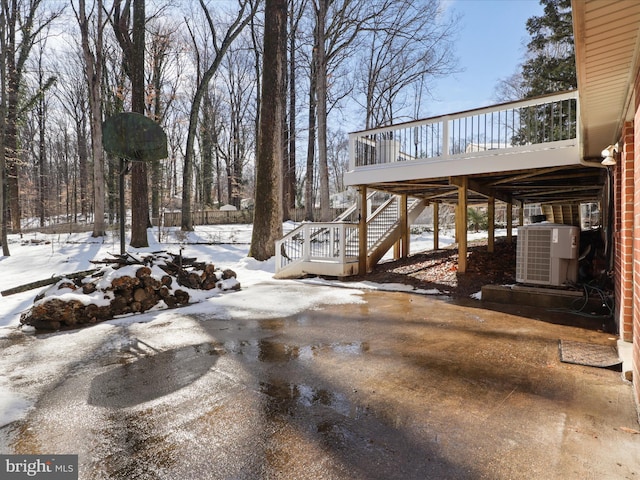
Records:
x=550, y=68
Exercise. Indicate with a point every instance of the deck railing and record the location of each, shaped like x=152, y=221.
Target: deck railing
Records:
x=338, y=242
x=320, y=242
x=540, y=121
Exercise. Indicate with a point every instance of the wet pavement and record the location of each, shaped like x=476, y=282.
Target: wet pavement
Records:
x=401, y=386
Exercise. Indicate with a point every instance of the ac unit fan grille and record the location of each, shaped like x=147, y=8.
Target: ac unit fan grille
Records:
x=534, y=257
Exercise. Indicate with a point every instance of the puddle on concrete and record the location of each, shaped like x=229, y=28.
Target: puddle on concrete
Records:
x=290, y=399
x=275, y=351
x=273, y=324
x=151, y=376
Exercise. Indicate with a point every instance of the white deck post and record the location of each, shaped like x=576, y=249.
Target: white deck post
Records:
x=362, y=231
x=306, y=249
x=352, y=151
x=445, y=137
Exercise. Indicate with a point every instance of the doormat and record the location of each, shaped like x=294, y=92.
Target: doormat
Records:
x=590, y=354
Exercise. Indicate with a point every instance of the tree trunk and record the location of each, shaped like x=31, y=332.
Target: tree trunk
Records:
x=139, y=187
x=206, y=139
x=11, y=146
x=81, y=141
x=10, y=138
x=321, y=73
x=42, y=158
x=3, y=104
x=289, y=187
x=267, y=224
x=218, y=167
x=311, y=144
x=235, y=195
x=98, y=161
x=156, y=165
x=93, y=64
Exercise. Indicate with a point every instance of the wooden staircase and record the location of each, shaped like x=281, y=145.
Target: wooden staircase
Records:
x=332, y=248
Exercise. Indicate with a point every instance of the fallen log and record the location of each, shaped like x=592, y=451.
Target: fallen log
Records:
x=45, y=282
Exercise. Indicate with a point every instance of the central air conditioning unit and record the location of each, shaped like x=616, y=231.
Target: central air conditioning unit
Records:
x=547, y=254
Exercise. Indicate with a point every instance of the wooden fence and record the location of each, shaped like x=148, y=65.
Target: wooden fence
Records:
x=217, y=217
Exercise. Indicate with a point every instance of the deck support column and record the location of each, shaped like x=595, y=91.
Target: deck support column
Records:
x=404, y=226
x=362, y=231
x=436, y=226
x=491, y=221
x=456, y=214
x=401, y=247
x=461, y=226
x=521, y=215
x=509, y=222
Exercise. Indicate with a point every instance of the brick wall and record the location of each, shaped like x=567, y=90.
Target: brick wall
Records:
x=624, y=238
x=636, y=255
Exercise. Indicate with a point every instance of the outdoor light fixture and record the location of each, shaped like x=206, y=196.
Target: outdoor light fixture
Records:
x=609, y=155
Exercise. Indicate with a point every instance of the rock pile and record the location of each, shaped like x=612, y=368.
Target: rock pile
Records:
x=126, y=285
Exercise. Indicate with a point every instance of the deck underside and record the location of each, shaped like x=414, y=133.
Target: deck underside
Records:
x=565, y=184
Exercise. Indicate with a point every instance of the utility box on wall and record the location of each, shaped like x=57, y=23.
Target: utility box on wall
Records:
x=547, y=254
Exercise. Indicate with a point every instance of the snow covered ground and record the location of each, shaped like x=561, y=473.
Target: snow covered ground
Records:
x=37, y=256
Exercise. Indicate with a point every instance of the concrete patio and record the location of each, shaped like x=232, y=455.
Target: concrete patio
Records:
x=402, y=386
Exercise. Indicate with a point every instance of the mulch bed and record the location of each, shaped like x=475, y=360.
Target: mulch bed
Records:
x=439, y=269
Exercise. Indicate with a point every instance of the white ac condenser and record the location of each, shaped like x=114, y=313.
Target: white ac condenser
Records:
x=547, y=254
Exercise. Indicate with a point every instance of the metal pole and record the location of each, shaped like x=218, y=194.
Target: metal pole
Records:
x=122, y=210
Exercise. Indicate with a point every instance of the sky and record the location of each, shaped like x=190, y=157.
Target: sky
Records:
x=490, y=47
x=29, y=363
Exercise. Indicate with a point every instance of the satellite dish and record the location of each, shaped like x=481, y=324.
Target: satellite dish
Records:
x=134, y=137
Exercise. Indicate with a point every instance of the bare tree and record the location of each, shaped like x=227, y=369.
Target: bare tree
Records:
x=339, y=24
x=511, y=88
x=130, y=33
x=267, y=223
x=92, y=24
x=73, y=97
x=240, y=85
x=289, y=167
x=163, y=78
x=3, y=113
x=309, y=183
x=116, y=90
x=41, y=109
x=24, y=21
x=411, y=40
x=338, y=158
x=247, y=9
x=321, y=7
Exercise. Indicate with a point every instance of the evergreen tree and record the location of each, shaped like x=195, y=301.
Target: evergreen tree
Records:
x=550, y=68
